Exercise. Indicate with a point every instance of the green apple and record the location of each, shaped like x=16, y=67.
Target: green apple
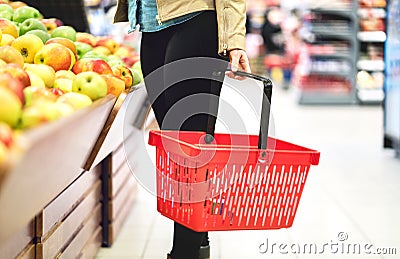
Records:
x=137, y=76
x=6, y=11
x=44, y=36
x=114, y=60
x=10, y=108
x=25, y=12
x=76, y=100
x=64, y=84
x=91, y=84
x=82, y=48
x=137, y=66
x=64, y=31
x=94, y=55
x=31, y=24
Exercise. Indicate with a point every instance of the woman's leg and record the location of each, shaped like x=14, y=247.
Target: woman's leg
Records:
x=189, y=109
x=152, y=55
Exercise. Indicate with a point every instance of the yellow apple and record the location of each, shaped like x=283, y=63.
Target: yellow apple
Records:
x=6, y=40
x=64, y=109
x=76, y=100
x=11, y=55
x=2, y=62
x=28, y=45
x=115, y=84
x=73, y=59
x=65, y=74
x=45, y=72
x=103, y=50
x=55, y=55
x=124, y=73
x=37, y=94
x=65, y=84
x=8, y=27
x=17, y=4
x=10, y=108
x=124, y=51
x=35, y=79
x=38, y=113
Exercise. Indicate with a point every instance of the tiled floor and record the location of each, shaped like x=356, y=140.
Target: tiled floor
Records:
x=352, y=195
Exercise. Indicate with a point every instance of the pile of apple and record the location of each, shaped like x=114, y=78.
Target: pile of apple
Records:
x=49, y=70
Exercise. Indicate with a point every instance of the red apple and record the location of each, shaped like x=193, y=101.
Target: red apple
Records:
x=7, y=81
x=130, y=61
x=55, y=55
x=51, y=23
x=6, y=134
x=57, y=91
x=63, y=41
x=16, y=72
x=86, y=38
x=11, y=55
x=124, y=73
x=108, y=42
x=96, y=65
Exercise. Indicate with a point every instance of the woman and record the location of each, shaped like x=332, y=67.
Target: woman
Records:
x=174, y=30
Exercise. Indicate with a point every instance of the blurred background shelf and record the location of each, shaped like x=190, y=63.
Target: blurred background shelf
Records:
x=327, y=70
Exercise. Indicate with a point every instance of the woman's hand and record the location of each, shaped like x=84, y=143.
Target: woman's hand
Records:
x=238, y=61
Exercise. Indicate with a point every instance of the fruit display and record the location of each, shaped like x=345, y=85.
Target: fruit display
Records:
x=48, y=70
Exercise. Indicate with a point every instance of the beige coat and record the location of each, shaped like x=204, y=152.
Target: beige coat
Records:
x=231, y=17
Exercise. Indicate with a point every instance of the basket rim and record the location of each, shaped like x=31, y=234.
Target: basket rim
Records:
x=156, y=135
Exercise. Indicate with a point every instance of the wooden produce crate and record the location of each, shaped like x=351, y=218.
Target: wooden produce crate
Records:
x=119, y=186
x=63, y=219
x=21, y=244
x=92, y=245
x=52, y=159
x=90, y=228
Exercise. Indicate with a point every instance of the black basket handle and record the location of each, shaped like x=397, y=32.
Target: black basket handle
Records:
x=265, y=108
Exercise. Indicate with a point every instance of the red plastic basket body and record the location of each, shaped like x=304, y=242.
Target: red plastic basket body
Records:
x=233, y=189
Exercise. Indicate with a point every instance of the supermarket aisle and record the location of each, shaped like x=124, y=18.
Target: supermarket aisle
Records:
x=349, y=208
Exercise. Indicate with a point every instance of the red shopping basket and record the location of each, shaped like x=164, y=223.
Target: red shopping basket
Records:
x=230, y=181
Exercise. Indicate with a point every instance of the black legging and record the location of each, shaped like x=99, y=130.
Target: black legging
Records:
x=196, y=37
